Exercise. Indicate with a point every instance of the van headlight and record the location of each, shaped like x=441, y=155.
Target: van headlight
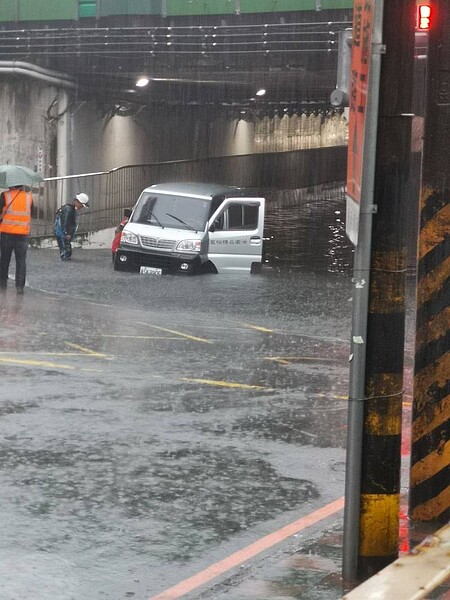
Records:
x=190, y=245
x=129, y=238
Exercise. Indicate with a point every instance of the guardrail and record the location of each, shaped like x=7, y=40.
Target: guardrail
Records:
x=413, y=576
x=112, y=191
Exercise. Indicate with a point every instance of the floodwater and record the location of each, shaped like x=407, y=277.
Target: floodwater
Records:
x=154, y=425
x=305, y=230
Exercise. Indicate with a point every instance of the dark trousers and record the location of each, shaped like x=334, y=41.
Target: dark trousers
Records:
x=8, y=243
x=65, y=247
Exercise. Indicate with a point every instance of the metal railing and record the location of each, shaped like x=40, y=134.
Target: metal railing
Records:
x=412, y=576
x=112, y=191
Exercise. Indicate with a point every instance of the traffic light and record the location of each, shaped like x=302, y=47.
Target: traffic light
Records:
x=424, y=14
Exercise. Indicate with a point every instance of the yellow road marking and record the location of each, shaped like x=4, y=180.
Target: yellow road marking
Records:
x=42, y=353
x=331, y=396
x=86, y=350
x=178, y=333
x=42, y=363
x=140, y=337
x=227, y=384
x=286, y=360
x=35, y=363
x=293, y=333
x=258, y=328
x=221, y=327
x=280, y=361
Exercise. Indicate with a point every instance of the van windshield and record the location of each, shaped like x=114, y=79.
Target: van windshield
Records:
x=170, y=210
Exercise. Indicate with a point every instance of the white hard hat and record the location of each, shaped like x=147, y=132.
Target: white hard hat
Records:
x=83, y=198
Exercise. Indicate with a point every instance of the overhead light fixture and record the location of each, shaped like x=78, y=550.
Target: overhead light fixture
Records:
x=261, y=92
x=142, y=82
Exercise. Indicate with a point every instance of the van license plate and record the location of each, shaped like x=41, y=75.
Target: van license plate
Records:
x=150, y=271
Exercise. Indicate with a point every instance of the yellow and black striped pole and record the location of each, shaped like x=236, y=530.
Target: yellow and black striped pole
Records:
x=380, y=477
x=378, y=484
x=381, y=448
x=430, y=452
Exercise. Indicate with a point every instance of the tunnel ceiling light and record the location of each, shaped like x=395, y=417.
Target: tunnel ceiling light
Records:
x=261, y=92
x=142, y=82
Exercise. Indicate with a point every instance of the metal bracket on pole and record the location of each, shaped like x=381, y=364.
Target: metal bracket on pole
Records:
x=370, y=209
x=379, y=48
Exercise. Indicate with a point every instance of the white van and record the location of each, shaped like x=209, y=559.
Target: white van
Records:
x=193, y=228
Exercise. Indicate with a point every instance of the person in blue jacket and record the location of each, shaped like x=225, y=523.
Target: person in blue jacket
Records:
x=66, y=224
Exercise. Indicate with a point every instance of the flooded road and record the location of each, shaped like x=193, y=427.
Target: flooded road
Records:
x=152, y=426
x=305, y=230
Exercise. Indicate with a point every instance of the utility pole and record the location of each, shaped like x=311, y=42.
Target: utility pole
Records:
x=430, y=452
x=373, y=486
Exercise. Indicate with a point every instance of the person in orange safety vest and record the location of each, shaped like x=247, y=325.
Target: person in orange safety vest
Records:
x=15, y=214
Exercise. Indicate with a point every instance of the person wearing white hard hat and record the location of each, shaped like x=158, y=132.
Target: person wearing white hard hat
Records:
x=66, y=224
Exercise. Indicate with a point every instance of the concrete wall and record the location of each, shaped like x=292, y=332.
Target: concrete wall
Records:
x=26, y=133
x=33, y=135
x=104, y=142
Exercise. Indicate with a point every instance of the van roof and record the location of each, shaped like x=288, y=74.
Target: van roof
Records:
x=204, y=190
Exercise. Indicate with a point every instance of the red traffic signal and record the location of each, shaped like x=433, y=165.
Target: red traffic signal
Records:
x=424, y=14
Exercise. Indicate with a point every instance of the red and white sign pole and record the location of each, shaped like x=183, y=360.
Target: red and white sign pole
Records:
x=363, y=96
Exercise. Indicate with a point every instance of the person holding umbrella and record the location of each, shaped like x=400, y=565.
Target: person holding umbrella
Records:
x=15, y=221
x=15, y=209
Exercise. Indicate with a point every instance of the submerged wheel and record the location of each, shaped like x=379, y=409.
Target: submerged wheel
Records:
x=208, y=267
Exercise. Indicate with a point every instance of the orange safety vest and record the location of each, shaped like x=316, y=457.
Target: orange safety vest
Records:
x=17, y=212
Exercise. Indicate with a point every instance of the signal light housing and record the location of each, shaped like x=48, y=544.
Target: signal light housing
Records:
x=424, y=14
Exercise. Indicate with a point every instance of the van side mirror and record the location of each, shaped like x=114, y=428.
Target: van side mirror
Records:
x=215, y=225
x=127, y=213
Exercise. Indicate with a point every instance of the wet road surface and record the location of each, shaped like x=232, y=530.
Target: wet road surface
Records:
x=153, y=426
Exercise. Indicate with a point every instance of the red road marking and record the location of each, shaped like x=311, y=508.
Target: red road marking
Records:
x=239, y=557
